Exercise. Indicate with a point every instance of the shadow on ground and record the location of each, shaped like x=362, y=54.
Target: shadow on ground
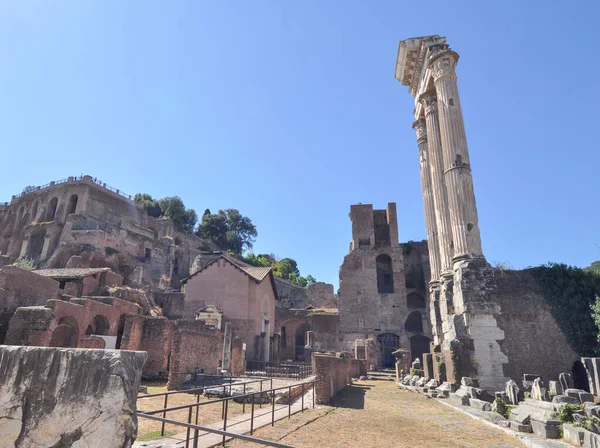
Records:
x=352, y=397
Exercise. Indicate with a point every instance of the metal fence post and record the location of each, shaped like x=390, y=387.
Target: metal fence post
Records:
x=302, y=397
x=162, y=429
x=252, y=415
x=273, y=412
x=313, y=394
x=244, y=401
x=225, y=420
x=260, y=401
x=290, y=402
x=187, y=437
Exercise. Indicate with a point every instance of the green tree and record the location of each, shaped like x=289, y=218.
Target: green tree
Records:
x=174, y=209
x=229, y=229
x=150, y=204
x=595, y=306
x=311, y=279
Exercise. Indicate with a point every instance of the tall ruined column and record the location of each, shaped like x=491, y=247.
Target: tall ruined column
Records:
x=457, y=167
x=431, y=228
x=436, y=169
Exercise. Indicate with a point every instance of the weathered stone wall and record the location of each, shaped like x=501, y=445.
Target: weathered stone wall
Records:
x=154, y=335
x=333, y=373
x=317, y=295
x=194, y=347
x=19, y=287
x=68, y=397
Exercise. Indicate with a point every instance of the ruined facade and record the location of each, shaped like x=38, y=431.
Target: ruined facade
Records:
x=483, y=323
x=80, y=216
x=382, y=295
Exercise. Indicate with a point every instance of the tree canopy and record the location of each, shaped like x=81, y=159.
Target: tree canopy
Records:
x=171, y=208
x=285, y=268
x=229, y=230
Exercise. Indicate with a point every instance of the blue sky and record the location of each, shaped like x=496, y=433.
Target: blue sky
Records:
x=289, y=112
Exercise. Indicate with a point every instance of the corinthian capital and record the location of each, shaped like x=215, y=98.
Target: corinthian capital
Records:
x=443, y=64
x=419, y=126
x=429, y=102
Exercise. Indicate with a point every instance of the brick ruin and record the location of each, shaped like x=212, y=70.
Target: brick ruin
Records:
x=488, y=324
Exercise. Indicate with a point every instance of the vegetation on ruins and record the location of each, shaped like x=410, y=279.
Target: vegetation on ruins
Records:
x=285, y=268
x=29, y=189
x=24, y=263
x=171, y=208
x=228, y=229
x=571, y=293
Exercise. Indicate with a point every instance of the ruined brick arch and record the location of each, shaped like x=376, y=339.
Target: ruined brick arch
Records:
x=415, y=301
x=290, y=330
x=385, y=278
x=419, y=344
x=99, y=325
x=66, y=333
x=414, y=323
x=72, y=208
x=51, y=209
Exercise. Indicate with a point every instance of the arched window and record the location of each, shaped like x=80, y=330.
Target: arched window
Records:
x=385, y=278
x=414, y=323
x=51, y=210
x=72, y=204
x=388, y=343
x=419, y=344
x=99, y=325
x=66, y=334
x=414, y=300
x=301, y=341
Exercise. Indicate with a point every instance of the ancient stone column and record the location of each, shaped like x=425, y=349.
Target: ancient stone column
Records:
x=428, y=203
x=457, y=167
x=438, y=187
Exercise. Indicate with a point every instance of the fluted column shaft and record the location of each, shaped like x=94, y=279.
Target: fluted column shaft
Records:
x=436, y=169
x=457, y=169
x=428, y=203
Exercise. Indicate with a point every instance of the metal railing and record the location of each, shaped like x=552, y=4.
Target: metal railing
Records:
x=305, y=387
x=77, y=179
x=278, y=369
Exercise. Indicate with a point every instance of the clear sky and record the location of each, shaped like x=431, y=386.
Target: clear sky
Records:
x=289, y=112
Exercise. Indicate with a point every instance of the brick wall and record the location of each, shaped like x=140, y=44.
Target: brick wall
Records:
x=91, y=342
x=194, y=347
x=333, y=373
x=19, y=287
x=238, y=357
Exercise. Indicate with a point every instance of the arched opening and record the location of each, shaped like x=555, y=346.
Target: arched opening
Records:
x=99, y=326
x=414, y=323
x=415, y=301
x=388, y=342
x=120, y=331
x=579, y=375
x=301, y=341
x=419, y=344
x=66, y=333
x=72, y=204
x=385, y=279
x=36, y=245
x=34, y=210
x=51, y=210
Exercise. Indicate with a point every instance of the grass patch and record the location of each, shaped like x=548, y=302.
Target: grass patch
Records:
x=154, y=435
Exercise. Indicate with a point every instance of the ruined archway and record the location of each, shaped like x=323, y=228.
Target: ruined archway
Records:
x=36, y=245
x=51, y=209
x=419, y=344
x=66, y=333
x=34, y=211
x=98, y=326
x=385, y=278
x=388, y=342
x=414, y=323
x=301, y=341
x=415, y=301
x=72, y=208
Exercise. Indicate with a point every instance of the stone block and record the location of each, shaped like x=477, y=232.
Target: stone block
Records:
x=566, y=381
x=538, y=390
x=432, y=384
x=591, y=440
x=460, y=399
x=573, y=434
x=592, y=368
x=515, y=426
x=504, y=423
x=573, y=393
x=591, y=409
x=586, y=397
x=554, y=388
x=546, y=431
x=512, y=392
x=54, y=396
x=422, y=382
x=565, y=399
x=479, y=404
x=468, y=381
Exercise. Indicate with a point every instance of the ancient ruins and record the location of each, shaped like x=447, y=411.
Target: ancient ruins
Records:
x=154, y=303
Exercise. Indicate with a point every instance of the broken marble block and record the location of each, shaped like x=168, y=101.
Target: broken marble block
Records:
x=566, y=381
x=460, y=397
x=433, y=383
x=512, y=392
x=591, y=409
x=468, y=381
x=538, y=390
x=53, y=397
x=422, y=382
x=446, y=388
x=479, y=404
x=554, y=388
x=564, y=399
x=581, y=395
x=573, y=434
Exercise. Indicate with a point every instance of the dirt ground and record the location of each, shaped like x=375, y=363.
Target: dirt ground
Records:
x=378, y=414
x=209, y=413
